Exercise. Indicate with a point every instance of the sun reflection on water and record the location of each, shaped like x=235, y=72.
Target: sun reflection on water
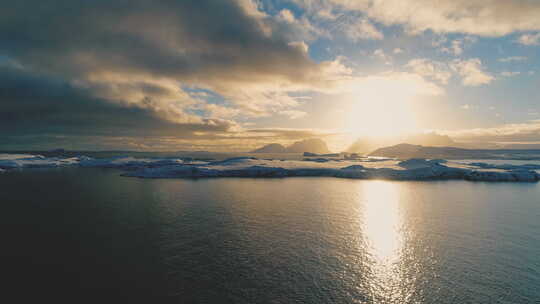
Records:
x=381, y=224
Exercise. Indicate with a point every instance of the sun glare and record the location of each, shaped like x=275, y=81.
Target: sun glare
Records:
x=382, y=219
x=385, y=108
x=381, y=226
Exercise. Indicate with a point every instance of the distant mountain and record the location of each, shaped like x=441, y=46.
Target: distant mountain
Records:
x=309, y=154
x=363, y=146
x=369, y=144
x=521, y=146
x=405, y=151
x=271, y=148
x=400, y=151
x=314, y=145
x=430, y=139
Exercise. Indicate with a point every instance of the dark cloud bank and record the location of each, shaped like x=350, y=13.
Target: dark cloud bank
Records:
x=116, y=68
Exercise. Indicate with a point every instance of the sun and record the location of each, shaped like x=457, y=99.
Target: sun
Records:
x=384, y=109
x=380, y=117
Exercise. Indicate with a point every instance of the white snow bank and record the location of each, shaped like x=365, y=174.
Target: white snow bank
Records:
x=19, y=161
x=126, y=162
x=16, y=156
x=506, y=166
x=412, y=169
x=417, y=163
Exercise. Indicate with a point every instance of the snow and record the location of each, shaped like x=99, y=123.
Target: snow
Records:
x=18, y=161
x=15, y=156
x=416, y=163
x=383, y=168
x=127, y=162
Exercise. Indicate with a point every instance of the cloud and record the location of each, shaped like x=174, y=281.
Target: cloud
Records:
x=509, y=74
x=293, y=114
x=529, y=39
x=182, y=70
x=297, y=28
x=381, y=55
x=127, y=67
x=211, y=44
x=428, y=68
x=363, y=29
x=486, y=18
x=457, y=46
x=285, y=133
x=520, y=132
x=216, y=110
x=390, y=84
x=471, y=71
x=322, y=9
x=512, y=59
x=287, y=15
x=37, y=104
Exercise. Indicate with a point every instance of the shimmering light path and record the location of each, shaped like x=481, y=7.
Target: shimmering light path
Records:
x=76, y=231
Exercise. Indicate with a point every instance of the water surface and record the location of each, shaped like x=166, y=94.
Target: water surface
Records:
x=83, y=233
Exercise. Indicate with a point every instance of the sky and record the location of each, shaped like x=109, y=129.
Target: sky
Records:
x=232, y=75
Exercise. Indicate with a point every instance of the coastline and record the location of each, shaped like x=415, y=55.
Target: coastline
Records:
x=365, y=168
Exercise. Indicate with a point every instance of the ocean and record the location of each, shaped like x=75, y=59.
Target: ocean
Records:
x=89, y=234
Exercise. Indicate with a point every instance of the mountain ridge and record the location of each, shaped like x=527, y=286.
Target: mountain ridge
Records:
x=314, y=145
x=406, y=151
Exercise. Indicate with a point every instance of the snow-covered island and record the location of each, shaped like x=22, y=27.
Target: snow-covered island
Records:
x=363, y=168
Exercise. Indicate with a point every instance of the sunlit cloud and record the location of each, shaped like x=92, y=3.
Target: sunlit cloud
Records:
x=509, y=73
x=381, y=55
x=363, y=29
x=147, y=61
x=517, y=132
x=456, y=47
x=486, y=18
x=217, y=70
x=529, y=39
x=472, y=72
x=432, y=69
x=512, y=59
x=293, y=114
